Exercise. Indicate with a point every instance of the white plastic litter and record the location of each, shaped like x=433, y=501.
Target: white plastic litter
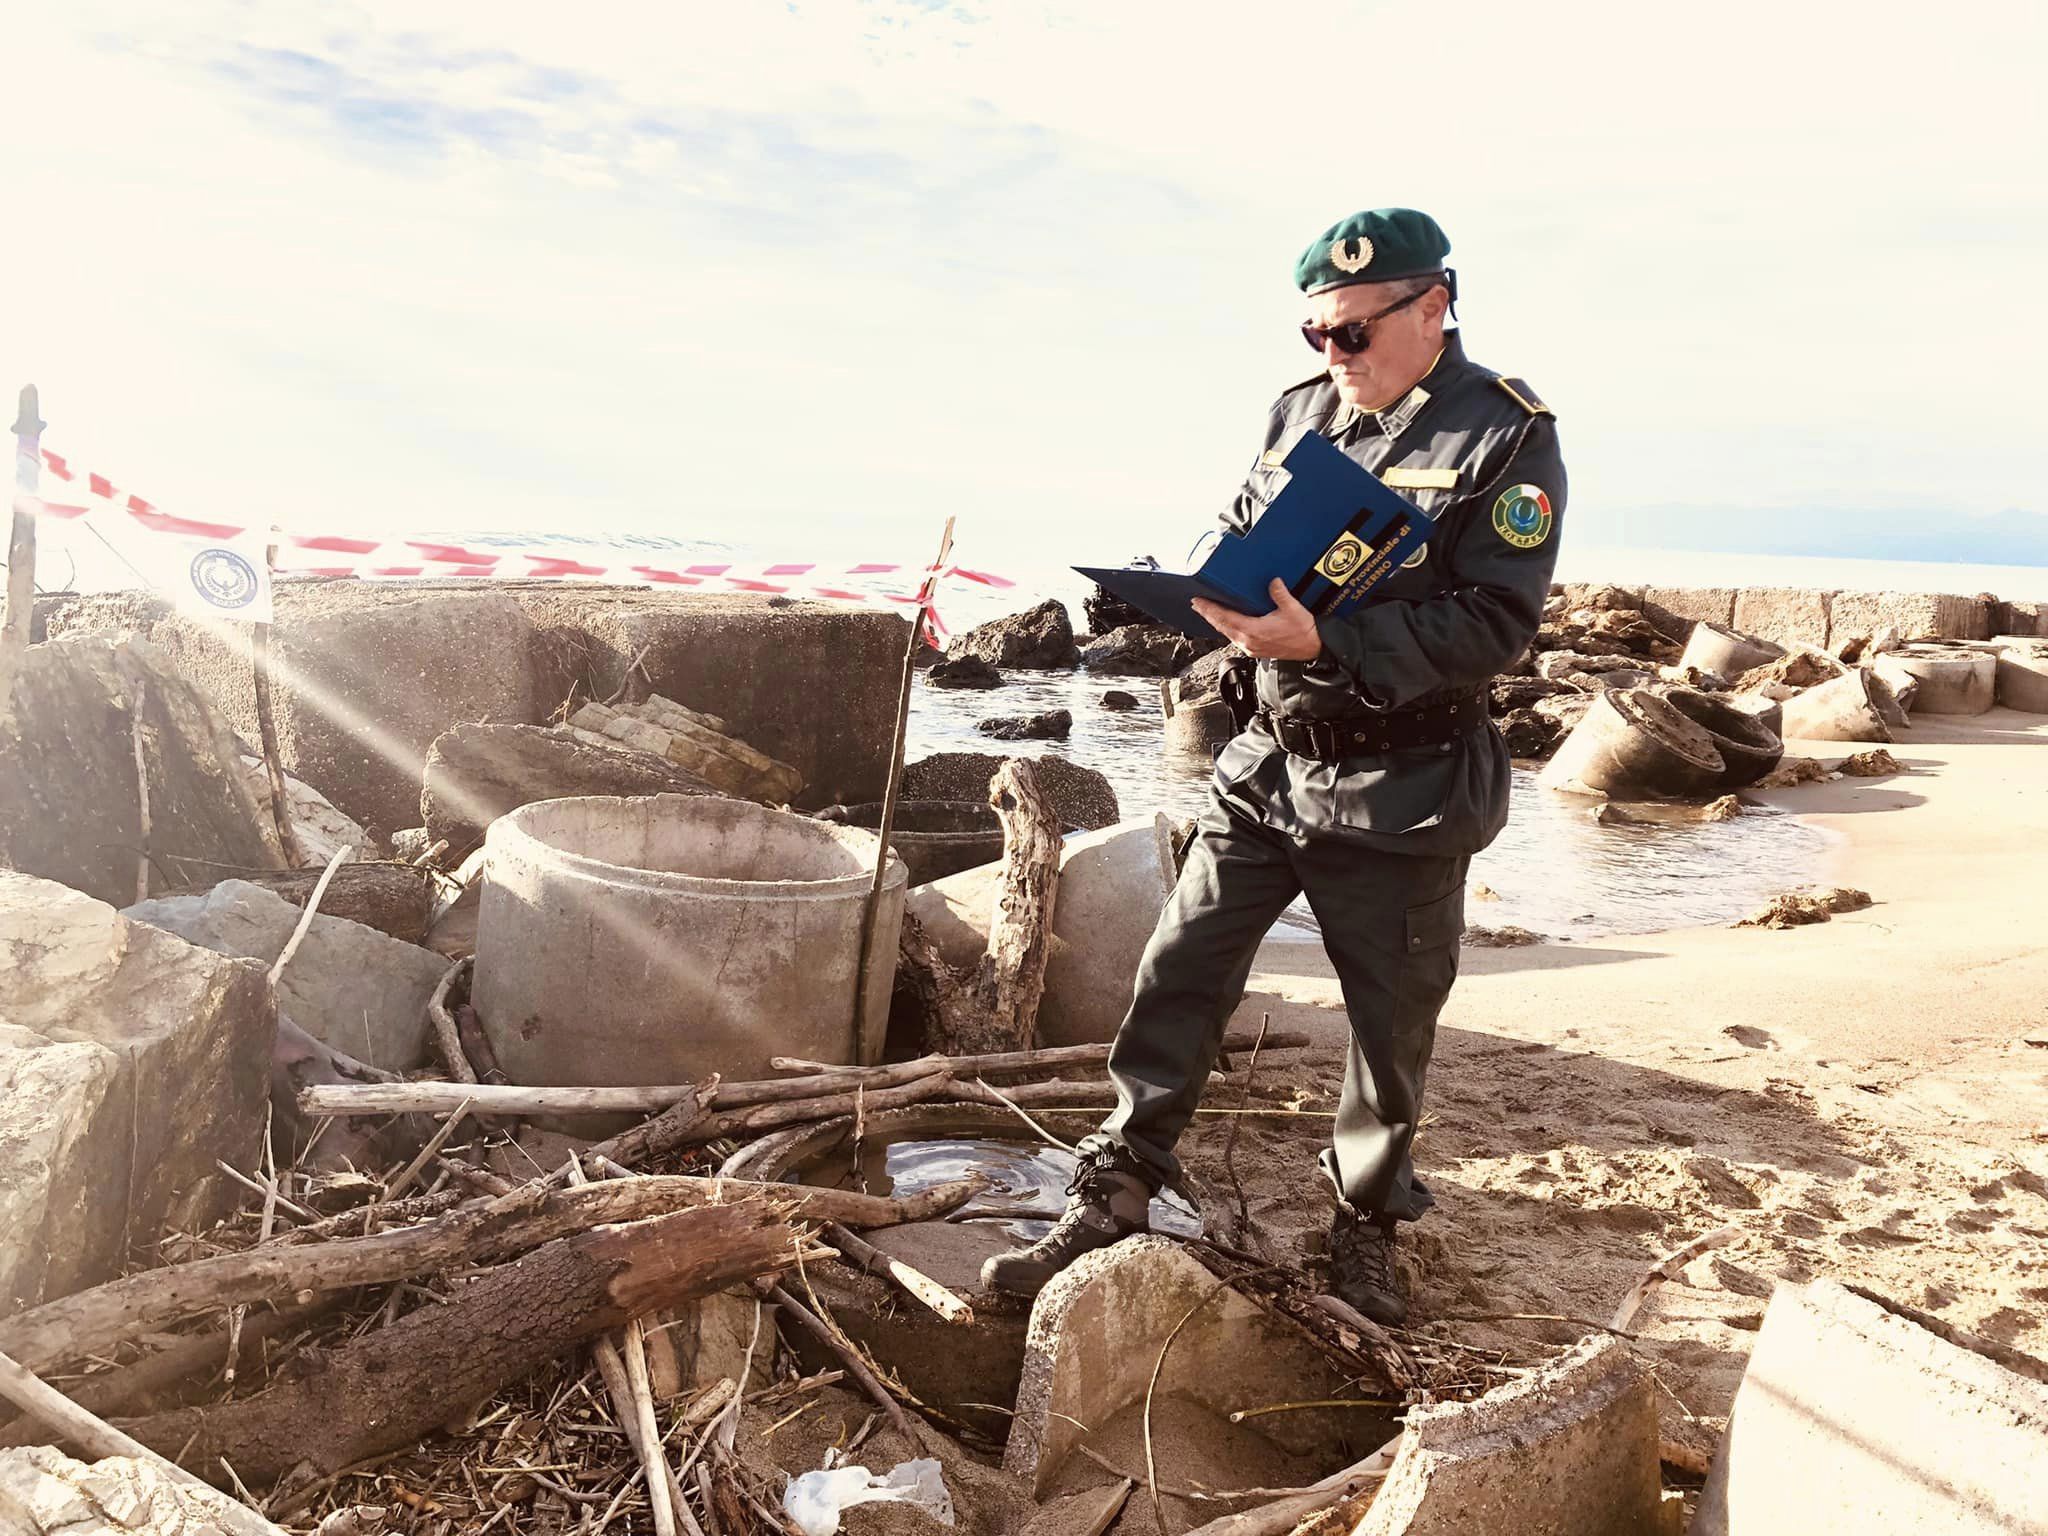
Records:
x=816, y=1500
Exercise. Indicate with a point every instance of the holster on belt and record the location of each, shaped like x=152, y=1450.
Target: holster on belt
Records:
x=1237, y=681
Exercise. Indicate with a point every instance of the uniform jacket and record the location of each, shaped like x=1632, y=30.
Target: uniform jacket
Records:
x=1438, y=628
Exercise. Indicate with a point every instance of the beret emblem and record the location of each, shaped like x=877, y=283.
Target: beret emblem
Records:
x=1342, y=259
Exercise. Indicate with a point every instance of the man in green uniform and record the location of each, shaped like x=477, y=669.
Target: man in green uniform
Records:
x=1369, y=774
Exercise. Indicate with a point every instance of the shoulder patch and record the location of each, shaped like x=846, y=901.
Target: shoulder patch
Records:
x=1519, y=391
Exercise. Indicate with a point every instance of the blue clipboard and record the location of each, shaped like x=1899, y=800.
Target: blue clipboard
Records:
x=1334, y=533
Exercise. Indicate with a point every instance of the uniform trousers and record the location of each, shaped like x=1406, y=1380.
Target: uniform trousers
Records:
x=1390, y=924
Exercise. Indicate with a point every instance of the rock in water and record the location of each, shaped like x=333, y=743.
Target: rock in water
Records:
x=1143, y=650
x=1053, y=725
x=1040, y=637
x=353, y=987
x=1106, y=611
x=129, y=1062
x=1528, y=734
x=1116, y=699
x=476, y=773
x=1082, y=796
x=69, y=808
x=963, y=672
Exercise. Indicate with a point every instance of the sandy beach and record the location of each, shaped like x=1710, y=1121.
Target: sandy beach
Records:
x=1860, y=1098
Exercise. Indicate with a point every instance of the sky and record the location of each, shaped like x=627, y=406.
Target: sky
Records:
x=815, y=276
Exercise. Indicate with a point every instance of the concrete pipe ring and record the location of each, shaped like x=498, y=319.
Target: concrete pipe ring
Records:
x=1749, y=749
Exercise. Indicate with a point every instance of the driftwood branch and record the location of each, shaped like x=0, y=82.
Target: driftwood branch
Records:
x=920, y=1285
x=393, y=1386
x=92, y=1322
x=291, y=945
x=1051, y=1058
x=446, y=1036
x=1667, y=1268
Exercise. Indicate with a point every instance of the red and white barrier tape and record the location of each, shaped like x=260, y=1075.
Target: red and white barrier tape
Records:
x=302, y=554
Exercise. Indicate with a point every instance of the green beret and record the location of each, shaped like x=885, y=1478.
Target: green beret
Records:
x=1372, y=247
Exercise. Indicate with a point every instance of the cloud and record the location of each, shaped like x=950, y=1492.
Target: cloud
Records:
x=827, y=272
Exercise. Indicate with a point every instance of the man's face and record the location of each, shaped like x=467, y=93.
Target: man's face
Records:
x=1400, y=347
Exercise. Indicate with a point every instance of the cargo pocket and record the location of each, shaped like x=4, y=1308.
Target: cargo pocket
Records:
x=1429, y=962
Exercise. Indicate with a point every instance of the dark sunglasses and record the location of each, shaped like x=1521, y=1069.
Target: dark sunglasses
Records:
x=1353, y=335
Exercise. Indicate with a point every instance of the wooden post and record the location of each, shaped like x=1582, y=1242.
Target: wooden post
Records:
x=21, y=545
x=266, y=730
x=894, y=784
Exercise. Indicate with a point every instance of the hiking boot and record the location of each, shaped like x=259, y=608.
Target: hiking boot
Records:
x=1362, y=1271
x=1107, y=1205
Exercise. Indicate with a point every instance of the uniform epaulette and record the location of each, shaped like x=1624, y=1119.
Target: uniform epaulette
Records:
x=1519, y=391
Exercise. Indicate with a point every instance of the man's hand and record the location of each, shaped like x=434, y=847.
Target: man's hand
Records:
x=1288, y=633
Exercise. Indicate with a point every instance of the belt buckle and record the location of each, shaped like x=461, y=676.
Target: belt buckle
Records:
x=1322, y=740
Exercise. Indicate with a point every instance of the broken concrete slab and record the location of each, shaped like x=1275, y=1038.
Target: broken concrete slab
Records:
x=190, y=1036
x=725, y=763
x=72, y=811
x=359, y=990
x=810, y=684
x=1113, y=884
x=1851, y=1419
x=1784, y=614
x=1571, y=1451
x=1674, y=610
x=476, y=773
x=1842, y=709
x=43, y=1492
x=1098, y=1328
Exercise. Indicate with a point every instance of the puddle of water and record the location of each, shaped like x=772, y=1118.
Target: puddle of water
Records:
x=1556, y=870
x=1027, y=1189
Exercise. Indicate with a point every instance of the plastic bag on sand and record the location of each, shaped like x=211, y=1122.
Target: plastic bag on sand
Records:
x=814, y=1501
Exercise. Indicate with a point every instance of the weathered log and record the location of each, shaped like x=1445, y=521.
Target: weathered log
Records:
x=484, y=1098
x=663, y=1133
x=394, y=1386
x=822, y=1077
x=393, y=898
x=92, y=1322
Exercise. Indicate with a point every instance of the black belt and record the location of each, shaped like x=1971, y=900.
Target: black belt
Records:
x=1326, y=741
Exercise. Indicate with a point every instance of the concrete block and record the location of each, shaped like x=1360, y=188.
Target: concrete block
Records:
x=1572, y=1451
x=2026, y=618
x=69, y=807
x=2022, y=680
x=43, y=1492
x=359, y=990
x=1113, y=885
x=1944, y=681
x=189, y=1036
x=1082, y=796
x=1852, y=1420
x=1676, y=609
x=1914, y=615
x=1096, y=1333
x=1783, y=614
x=812, y=685
x=366, y=675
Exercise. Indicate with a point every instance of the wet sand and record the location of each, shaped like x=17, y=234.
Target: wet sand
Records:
x=1860, y=1097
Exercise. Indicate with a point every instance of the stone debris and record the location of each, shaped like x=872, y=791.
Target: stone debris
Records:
x=319, y=828
x=1793, y=771
x=1797, y=909
x=1852, y=1419
x=355, y=988
x=683, y=737
x=43, y=1492
x=1624, y=813
x=963, y=672
x=1506, y=937
x=1041, y=638
x=476, y=773
x=1053, y=725
x=1874, y=764
x=134, y=1060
